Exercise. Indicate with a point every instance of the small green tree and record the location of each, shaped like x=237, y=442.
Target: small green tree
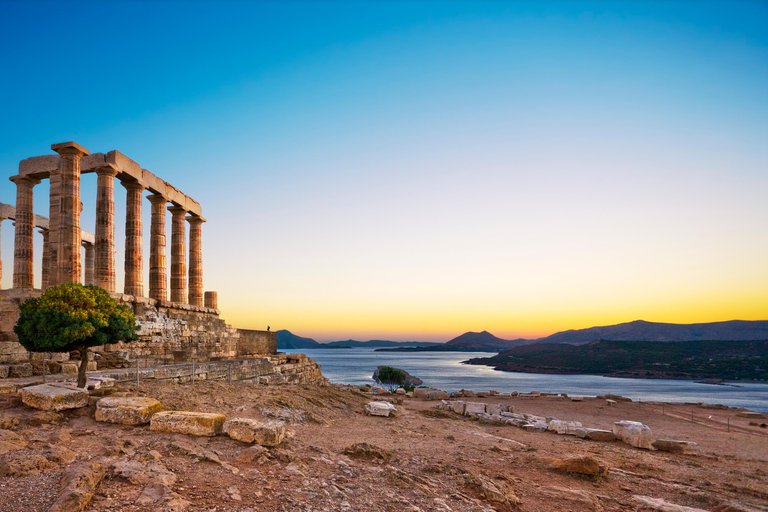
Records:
x=391, y=378
x=74, y=317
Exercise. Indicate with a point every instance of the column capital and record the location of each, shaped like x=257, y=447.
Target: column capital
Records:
x=106, y=171
x=132, y=185
x=70, y=148
x=194, y=219
x=24, y=180
x=177, y=210
x=157, y=199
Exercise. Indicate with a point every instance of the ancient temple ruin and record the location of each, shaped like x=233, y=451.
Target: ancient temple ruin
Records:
x=176, y=325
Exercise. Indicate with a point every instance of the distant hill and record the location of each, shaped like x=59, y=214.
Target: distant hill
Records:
x=483, y=340
x=640, y=330
x=697, y=359
x=286, y=340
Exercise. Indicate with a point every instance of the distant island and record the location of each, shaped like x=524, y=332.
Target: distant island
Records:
x=710, y=360
x=286, y=340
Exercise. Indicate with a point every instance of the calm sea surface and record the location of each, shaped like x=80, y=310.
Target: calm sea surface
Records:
x=443, y=370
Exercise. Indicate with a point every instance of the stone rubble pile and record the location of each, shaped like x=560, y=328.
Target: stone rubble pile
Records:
x=630, y=432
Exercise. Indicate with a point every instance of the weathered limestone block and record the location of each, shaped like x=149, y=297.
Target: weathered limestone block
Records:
x=380, y=408
x=669, y=445
x=16, y=371
x=458, y=407
x=595, y=434
x=54, y=398
x=495, y=408
x=127, y=410
x=633, y=433
x=270, y=433
x=78, y=485
x=438, y=395
x=4, y=370
x=400, y=391
x=421, y=392
x=69, y=368
x=473, y=408
x=565, y=427
x=535, y=427
x=661, y=505
x=191, y=423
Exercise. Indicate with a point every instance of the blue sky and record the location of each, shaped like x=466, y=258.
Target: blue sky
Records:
x=419, y=169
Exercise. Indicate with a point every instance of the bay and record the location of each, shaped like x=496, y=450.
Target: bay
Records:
x=443, y=370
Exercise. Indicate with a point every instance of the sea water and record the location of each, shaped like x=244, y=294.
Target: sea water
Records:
x=443, y=370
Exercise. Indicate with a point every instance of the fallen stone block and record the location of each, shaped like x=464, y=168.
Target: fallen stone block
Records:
x=438, y=395
x=400, y=391
x=535, y=427
x=4, y=370
x=751, y=414
x=565, y=427
x=633, y=433
x=669, y=445
x=421, y=392
x=458, y=407
x=191, y=423
x=596, y=434
x=270, y=433
x=474, y=408
x=380, y=408
x=493, y=408
x=127, y=410
x=48, y=397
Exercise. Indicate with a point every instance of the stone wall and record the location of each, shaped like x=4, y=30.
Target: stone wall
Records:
x=256, y=342
x=168, y=332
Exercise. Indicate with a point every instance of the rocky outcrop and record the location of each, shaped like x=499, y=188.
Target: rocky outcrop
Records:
x=78, y=484
x=10, y=441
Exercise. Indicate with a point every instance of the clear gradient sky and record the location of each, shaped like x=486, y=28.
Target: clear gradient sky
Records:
x=415, y=170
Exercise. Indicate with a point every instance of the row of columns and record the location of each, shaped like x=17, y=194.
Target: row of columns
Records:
x=61, y=252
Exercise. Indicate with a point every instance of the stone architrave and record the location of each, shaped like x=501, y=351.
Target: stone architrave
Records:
x=90, y=264
x=105, y=229
x=158, y=277
x=69, y=233
x=23, y=250
x=178, y=255
x=195, y=260
x=134, y=259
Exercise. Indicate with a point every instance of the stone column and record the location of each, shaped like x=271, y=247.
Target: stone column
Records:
x=1, y=238
x=195, y=260
x=105, y=228
x=134, y=260
x=24, y=245
x=46, y=258
x=158, y=280
x=90, y=263
x=178, y=255
x=70, y=235
x=212, y=300
x=53, y=230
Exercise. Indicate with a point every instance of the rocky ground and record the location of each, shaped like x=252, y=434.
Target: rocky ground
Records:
x=339, y=459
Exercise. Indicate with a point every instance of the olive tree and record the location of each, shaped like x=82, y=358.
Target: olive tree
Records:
x=74, y=317
x=391, y=378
